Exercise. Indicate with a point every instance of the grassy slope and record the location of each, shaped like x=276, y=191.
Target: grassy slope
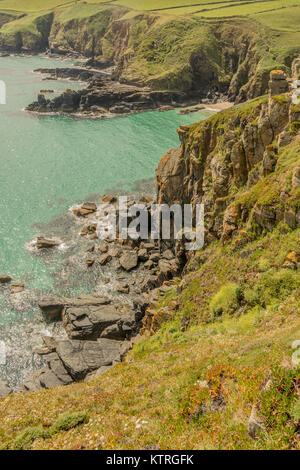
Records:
x=156, y=398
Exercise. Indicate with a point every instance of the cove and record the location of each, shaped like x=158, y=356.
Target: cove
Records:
x=49, y=163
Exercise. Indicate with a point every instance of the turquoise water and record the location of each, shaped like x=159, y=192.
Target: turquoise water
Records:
x=48, y=163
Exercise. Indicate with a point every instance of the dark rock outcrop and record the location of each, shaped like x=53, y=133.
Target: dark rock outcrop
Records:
x=103, y=97
x=52, y=307
x=72, y=360
x=42, y=243
x=4, y=279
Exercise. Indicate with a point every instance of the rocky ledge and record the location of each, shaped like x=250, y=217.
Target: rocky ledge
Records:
x=104, y=96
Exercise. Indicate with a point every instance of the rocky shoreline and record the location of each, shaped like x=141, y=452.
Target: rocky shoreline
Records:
x=99, y=330
x=105, y=97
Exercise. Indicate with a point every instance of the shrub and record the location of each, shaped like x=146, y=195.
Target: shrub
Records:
x=276, y=286
x=26, y=437
x=226, y=300
x=68, y=421
x=272, y=287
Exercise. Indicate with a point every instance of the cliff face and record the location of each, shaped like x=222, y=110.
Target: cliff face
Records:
x=242, y=164
x=232, y=57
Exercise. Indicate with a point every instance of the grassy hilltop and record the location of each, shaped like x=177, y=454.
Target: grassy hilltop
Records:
x=177, y=44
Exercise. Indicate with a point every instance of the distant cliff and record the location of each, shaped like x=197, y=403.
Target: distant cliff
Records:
x=232, y=57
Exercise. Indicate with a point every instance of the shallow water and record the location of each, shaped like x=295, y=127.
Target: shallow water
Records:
x=47, y=164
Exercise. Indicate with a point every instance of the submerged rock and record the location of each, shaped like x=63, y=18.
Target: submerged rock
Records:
x=17, y=287
x=4, y=279
x=129, y=260
x=42, y=242
x=86, y=209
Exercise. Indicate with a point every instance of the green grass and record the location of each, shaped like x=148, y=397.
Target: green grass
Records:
x=32, y=5
x=285, y=19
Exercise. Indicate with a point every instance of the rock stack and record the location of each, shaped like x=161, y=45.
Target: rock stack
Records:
x=278, y=83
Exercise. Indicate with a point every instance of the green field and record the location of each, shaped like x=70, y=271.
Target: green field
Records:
x=282, y=15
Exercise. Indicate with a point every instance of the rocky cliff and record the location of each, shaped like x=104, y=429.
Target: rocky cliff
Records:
x=242, y=164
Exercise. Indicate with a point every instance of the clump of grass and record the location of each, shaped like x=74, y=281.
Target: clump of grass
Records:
x=294, y=127
x=26, y=437
x=226, y=300
x=68, y=421
x=273, y=287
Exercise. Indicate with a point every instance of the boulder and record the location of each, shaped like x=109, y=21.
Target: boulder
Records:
x=57, y=369
x=104, y=259
x=129, y=260
x=168, y=269
x=17, y=287
x=255, y=424
x=150, y=282
x=278, y=83
x=109, y=199
x=89, y=230
x=90, y=261
x=149, y=264
x=103, y=248
x=32, y=382
x=4, y=279
x=167, y=254
x=52, y=307
x=115, y=252
x=89, y=320
x=155, y=257
x=143, y=254
x=123, y=288
x=83, y=357
x=86, y=209
x=47, y=378
x=4, y=389
x=42, y=243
